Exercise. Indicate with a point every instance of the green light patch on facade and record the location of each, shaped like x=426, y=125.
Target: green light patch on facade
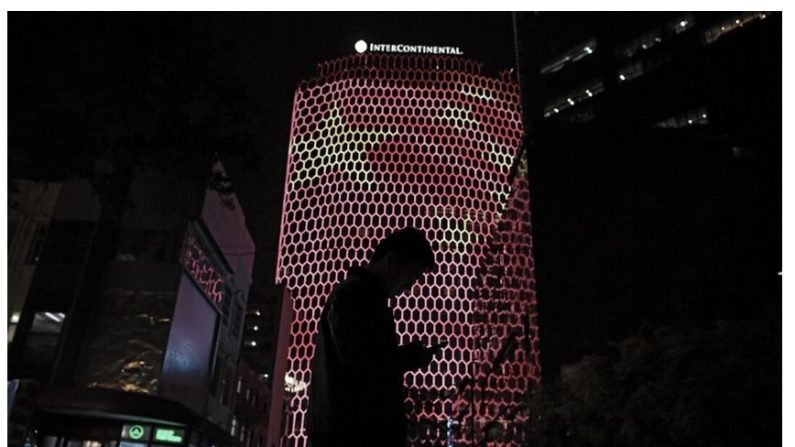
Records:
x=169, y=435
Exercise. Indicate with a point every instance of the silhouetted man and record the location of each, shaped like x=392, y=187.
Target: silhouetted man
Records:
x=356, y=392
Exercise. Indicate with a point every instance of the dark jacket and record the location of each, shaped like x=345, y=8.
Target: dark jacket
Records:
x=356, y=389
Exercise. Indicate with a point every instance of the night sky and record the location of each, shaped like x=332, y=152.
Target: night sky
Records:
x=267, y=53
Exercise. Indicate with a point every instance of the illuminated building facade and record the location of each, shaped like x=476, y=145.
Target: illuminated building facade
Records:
x=379, y=142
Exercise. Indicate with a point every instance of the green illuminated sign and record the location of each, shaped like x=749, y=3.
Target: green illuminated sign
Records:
x=136, y=432
x=170, y=435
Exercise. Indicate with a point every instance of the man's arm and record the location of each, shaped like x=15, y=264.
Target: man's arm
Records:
x=415, y=355
x=355, y=334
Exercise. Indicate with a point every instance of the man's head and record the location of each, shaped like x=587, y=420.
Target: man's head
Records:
x=401, y=259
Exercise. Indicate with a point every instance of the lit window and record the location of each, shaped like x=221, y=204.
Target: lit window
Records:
x=691, y=117
x=43, y=337
x=731, y=24
x=639, y=44
x=631, y=71
x=642, y=66
x=569, y=57
x=683, y=23
x=571, y=99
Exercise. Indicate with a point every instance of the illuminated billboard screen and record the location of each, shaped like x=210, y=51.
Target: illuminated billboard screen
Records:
x=186, y=368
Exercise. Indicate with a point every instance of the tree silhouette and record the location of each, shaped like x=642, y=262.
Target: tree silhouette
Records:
x=714, y=386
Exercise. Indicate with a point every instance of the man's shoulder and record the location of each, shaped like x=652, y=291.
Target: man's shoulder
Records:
x=349, y=289
x=354, y=289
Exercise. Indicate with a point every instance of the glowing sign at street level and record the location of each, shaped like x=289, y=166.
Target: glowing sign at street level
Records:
x=135, y=432
x=170, y=435
x=362, y=46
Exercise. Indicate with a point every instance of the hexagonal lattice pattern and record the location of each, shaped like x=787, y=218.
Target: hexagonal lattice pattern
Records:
x=379, y=142
x=507, y=328
x=202, y=270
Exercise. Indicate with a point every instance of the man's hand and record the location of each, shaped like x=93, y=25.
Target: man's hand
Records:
x=417, y=356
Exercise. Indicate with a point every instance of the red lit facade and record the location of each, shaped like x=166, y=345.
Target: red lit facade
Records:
x=203, y=271
x=380, y=142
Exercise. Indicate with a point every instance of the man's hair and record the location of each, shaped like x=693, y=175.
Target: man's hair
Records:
x=408, y=244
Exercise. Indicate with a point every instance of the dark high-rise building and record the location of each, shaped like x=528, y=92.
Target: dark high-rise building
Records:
x=664, y=70
x=654, y=142
x=252, y=407
x=260, y=331
x=261, y=337
x=380, y=142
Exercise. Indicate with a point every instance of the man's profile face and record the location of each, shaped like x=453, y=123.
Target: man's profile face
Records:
x=404, y=274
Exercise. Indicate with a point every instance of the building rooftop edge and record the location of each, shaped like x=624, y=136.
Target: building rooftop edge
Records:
x=341, y=65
